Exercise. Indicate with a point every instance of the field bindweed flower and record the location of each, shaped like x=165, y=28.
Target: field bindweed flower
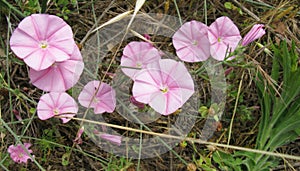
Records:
x=136, y=103
x=191, y=42
x=42, y=39
x=165, y=85
x=256, y=32
x=78, y=139
x=103, y=101
x=115, y=139
x=60, y=76
x=224, y=37
x=136, y=55
x=57, y=104
x=18, y=154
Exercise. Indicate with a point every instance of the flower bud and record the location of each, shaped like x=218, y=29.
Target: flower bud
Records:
x=256, y=32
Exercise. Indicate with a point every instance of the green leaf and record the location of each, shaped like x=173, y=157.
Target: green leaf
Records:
x=226, y=161
x=32, y=110
x=294, y=57
x=275, y=67
x=65, y=159
x=228, y=5
x=240, y=11
x=286, y=59
x=203, y=110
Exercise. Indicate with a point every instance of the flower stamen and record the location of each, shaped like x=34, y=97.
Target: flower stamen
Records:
x=43, y=44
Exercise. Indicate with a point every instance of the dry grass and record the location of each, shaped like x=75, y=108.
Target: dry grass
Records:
x=282, y=20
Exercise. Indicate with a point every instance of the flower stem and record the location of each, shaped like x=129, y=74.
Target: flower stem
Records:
x=43, y=6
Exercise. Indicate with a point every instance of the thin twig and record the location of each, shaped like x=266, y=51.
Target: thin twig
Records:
x=193, y=140
x=247, y=11
x=235, y=108
x=96, y=23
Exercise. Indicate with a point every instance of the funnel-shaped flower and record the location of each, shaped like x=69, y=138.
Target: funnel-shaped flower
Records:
x=165, y=85
x=60, y=76
x=57, y=104
x=115, y=139
x=42, y=39
x=18, y=154
x=78, y=139
x=224, y=37
x=103, y=101
x=137, y=55
x=256, y=32
x=191, y=42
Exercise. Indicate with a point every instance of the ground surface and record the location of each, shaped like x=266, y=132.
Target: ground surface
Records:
x=52, y=139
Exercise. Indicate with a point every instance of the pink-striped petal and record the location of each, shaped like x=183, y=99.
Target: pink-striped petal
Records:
x=224, y=36
x=102, y=101
x=136, y=55
x=191, y=42
x=57, y=104
x=59, y=77
x=165, y=85
x=256, y=32
x=112, y=138
x=41, y=40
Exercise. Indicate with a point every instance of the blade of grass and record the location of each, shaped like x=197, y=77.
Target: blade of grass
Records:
x=235, y=108
x=178, y=12
x=44, y=6
x=7, y=66
x=103, y=160
x=113, y=20
x=138, y=6
x=11, y=7
x=140, y=149
x=18, y=141
x=149, y=130
x=193, y=140
x=205, y=12
x=96, y=23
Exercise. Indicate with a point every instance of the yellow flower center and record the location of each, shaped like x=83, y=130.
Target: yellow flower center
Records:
x=219, y=39
x=56, y=112
x=95, y=100
x=138, y=65
x=195, y=42
x=21, y=155
x=43, y=44
x=164, y=89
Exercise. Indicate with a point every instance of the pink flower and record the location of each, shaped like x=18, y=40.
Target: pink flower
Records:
x=137, y=55
x=256, y=32
x=78, y=139
x=103, y=101
x=191, y=42
x=165, y=85
x=112, y=138
x=147, y=36
x=57, y=104
x=42, y=39
x=18, y=115
x=18, y=154
x=136, y=103
x=224, y=37
x=60, y=76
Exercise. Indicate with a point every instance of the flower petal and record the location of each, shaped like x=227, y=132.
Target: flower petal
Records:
x=103, y=101
x=191, y=42
x=41, y=40
x=138, y=55
x=165, y=85
x=256, y=32
x=57, y=104
x=112, y=138
x=59, y=77
x=224, y=37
